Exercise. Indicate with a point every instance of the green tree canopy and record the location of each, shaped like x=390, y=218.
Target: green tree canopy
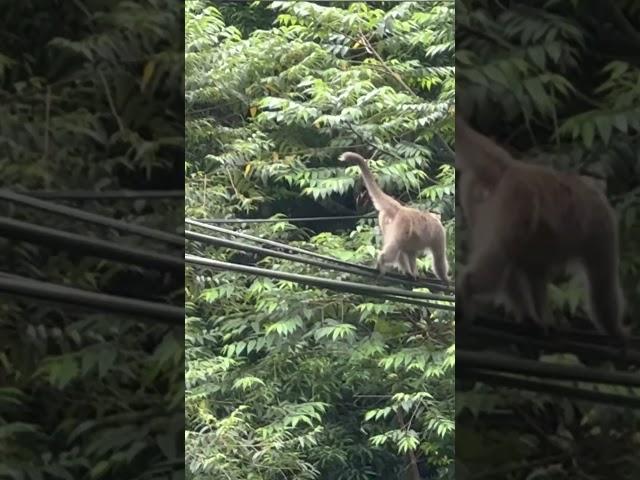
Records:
x=285, y=381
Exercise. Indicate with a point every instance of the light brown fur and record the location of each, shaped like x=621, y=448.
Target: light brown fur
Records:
x=406, y=232
x=528, y=222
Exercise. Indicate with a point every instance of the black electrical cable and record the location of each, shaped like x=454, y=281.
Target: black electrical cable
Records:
x=78, y=214
x=25, y=287
x=223, y=221
x=557, y=343
x=75, y=243
x=82, y=195
x=432, y=284
x=372, y=290
x=509, y=364
x=528, y=329
x=199, y=237
x=520, y=384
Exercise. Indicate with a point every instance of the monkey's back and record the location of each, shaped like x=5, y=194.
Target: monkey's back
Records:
x=416, y=230
x=538, y=215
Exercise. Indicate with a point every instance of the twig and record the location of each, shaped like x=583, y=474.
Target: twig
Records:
x=397, y=77
x=624, y=24
x=112, y=105
x=47, y=125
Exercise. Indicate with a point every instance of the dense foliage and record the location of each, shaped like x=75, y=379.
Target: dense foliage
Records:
x=91, y=98
x=285, y=381
x=557, y=83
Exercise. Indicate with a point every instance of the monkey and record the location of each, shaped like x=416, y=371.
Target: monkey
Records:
x=406, y=232
x=529, y=222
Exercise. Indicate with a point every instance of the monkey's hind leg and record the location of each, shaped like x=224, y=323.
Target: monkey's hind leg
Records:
x=439, y=256
x=605, y=294
x=408, y=263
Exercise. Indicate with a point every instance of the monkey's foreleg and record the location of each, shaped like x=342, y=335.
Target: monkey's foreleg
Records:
x=483, y=277
x=387, y=255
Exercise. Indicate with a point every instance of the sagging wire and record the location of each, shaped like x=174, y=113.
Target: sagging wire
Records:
x=26, y=287
x=559, y=343
x=433, y=284
x=78, y=214
x=75, y=243
x=395, y=294
x=219, y=242
x=89, y=195
x=223, y=221
x=498, y=324
x=562, y=391
x=509, y=364
x=36, y=234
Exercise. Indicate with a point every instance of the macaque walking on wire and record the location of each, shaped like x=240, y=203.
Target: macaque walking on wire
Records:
x=527, y=222
x=406, y=232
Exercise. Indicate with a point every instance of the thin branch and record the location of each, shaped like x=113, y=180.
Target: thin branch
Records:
x=397, y=77
x=624, y=24
x=112, y=104
x=47, y=124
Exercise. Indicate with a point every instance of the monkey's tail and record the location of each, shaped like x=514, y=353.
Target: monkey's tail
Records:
x=479, y=155
x=381, y=201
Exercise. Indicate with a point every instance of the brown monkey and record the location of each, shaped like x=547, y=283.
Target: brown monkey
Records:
x=530, y=222
x=406, y=232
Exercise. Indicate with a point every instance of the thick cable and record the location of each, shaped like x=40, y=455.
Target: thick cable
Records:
x=557, y=343
x=497, y=323
x=490, y=378
x=74, y=243
x=25, y=287
x=81, y=195
x=78, y=214
x=223, y=221
x=220, y=242
x=433, y=284
x=329, y=284
x=509, y=364
x=351, y=285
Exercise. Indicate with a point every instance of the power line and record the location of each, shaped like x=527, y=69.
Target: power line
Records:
x=431, y=283
x=352, y=287
x=81, y=195
x=92, y=246
x=529, y=330
x=548, y=388
x=78, y=214
x=509, y=364
x=285, y=219
x=557, y=343
x=13, y=284
x=199, y=237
